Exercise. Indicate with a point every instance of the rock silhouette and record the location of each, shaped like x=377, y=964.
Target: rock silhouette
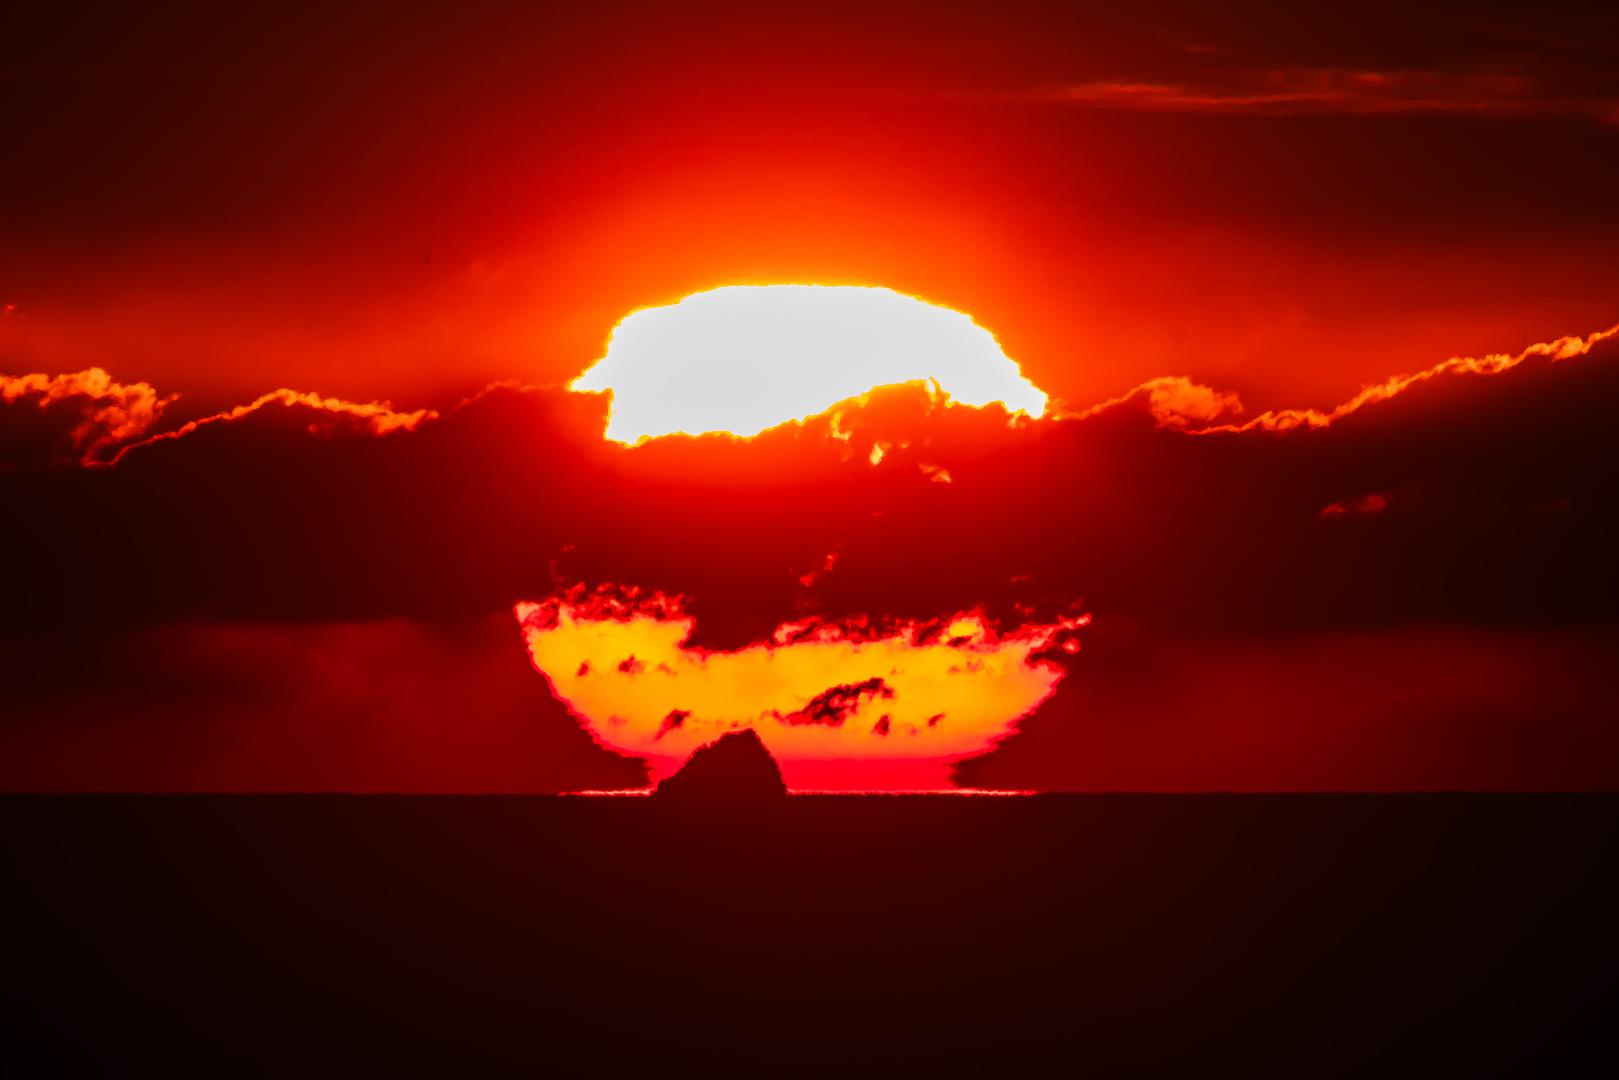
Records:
x=736, y=767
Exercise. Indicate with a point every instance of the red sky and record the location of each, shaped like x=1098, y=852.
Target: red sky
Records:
x=407, y=206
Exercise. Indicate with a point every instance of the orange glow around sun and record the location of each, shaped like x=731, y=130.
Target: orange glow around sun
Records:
x=744, y=358
x=840, y=707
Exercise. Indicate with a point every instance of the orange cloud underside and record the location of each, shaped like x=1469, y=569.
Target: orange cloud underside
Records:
x=837, y=707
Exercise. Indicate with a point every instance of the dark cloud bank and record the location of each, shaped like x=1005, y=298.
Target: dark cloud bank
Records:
x=1415, y=593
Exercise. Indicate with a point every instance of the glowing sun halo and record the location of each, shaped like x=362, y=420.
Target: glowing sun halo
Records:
x=744, y=358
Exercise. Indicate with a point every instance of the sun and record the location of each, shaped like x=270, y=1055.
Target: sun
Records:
x=744, y=358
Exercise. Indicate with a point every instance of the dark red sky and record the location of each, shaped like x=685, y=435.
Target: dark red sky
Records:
x=409, y=205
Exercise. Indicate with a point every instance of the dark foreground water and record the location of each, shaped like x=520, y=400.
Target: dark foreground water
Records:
x=836, y=935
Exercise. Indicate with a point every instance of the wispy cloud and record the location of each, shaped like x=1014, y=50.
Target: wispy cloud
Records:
x=1347, y=91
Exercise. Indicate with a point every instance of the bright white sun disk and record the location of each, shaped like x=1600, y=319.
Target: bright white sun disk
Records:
x=745, y=358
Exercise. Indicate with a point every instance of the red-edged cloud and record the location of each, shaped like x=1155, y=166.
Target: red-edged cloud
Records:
x=375, y=418
x=1563, y=348
x=1174, y=401
x=88, y=418
x=74, y=418
x=1477, y=494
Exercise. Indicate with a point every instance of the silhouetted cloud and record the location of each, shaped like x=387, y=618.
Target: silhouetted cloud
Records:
x=1175, y=401
x=1563, y=348
x=376, y=417
x=1155, y=503
x=836, y=704
x=1477, y=495
x=71, y=419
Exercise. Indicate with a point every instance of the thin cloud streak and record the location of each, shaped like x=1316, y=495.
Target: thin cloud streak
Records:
x=1345, y=91
x=375, y=417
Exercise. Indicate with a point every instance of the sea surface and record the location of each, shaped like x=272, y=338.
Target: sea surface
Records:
x=828, y=935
